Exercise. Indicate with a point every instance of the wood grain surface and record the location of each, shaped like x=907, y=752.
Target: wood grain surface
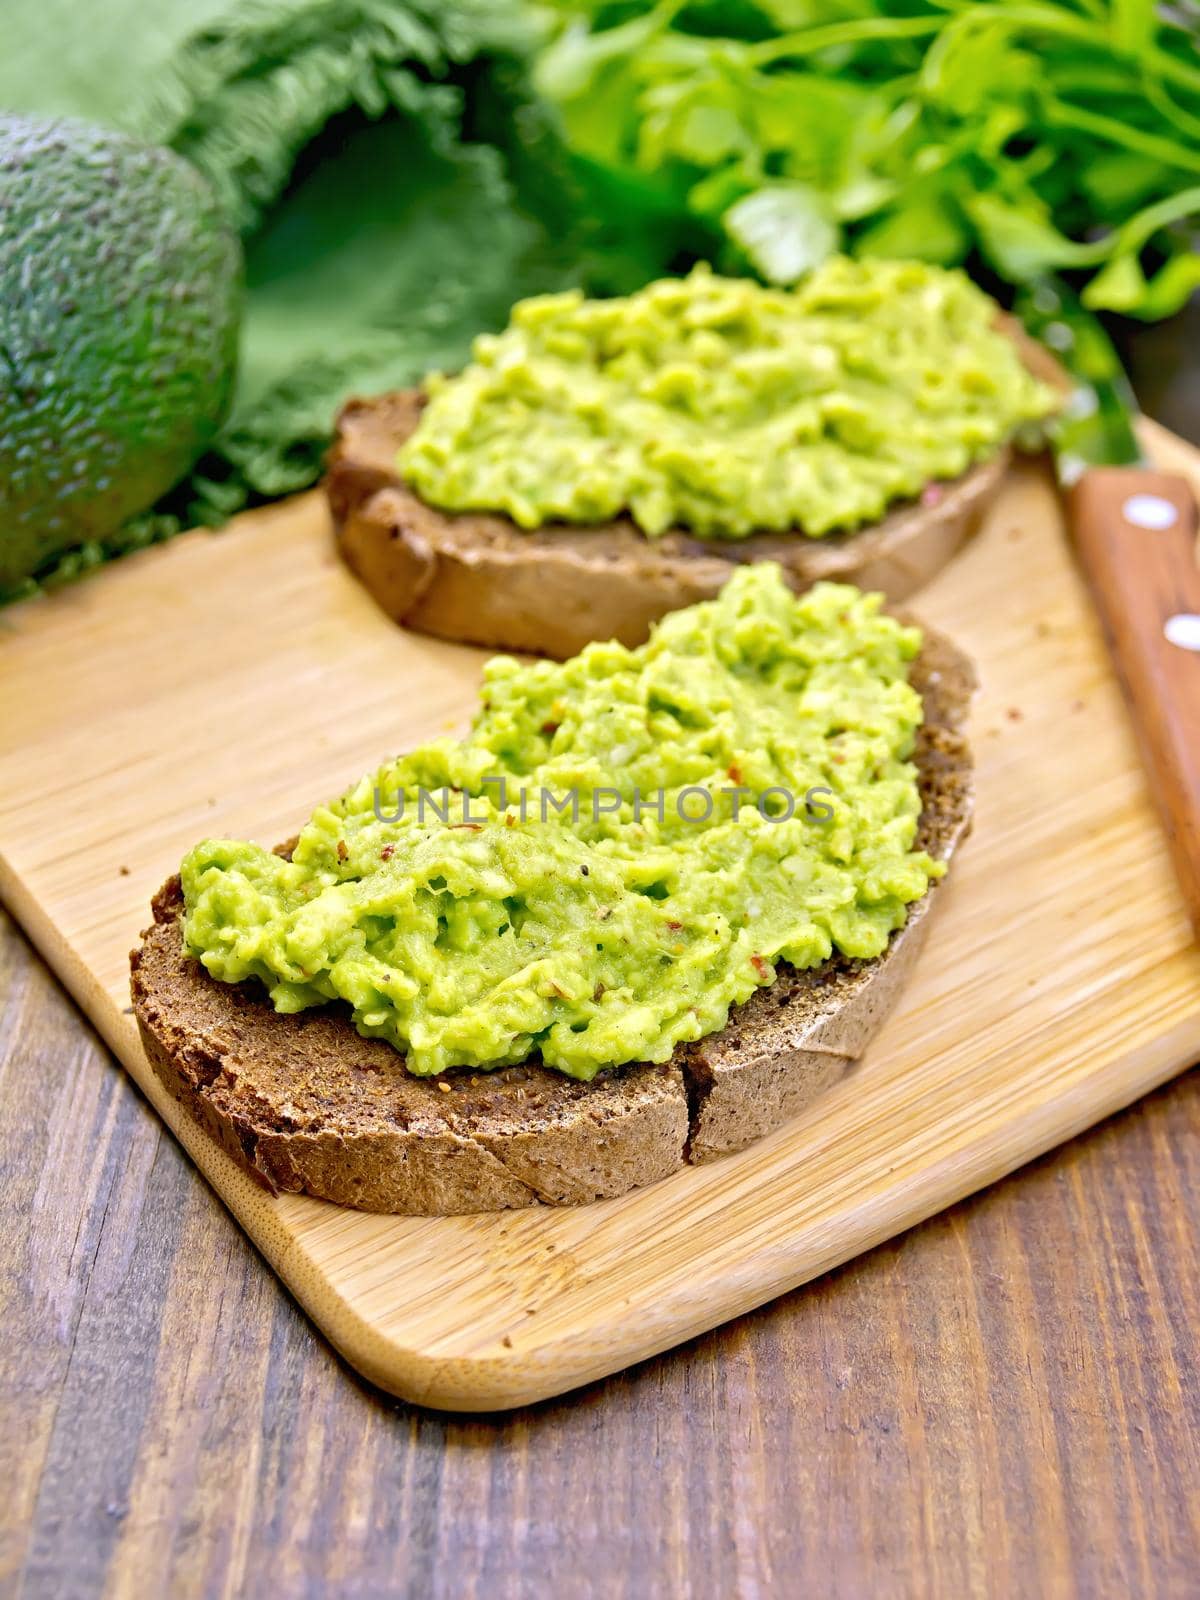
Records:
x=1060, y=979
x=1003, y=1402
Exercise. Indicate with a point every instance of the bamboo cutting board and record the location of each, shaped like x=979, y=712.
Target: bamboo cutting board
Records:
x=224, y=683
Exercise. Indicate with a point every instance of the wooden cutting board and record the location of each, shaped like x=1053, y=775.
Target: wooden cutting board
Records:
x=224, y=683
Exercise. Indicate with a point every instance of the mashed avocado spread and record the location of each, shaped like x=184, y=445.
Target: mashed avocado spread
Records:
x=725, y=408
x=627, y=843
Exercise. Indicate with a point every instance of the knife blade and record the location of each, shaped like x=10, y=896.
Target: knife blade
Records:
x=1135, y=536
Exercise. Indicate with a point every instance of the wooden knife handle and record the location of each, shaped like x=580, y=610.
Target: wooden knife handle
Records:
x=1135, y=531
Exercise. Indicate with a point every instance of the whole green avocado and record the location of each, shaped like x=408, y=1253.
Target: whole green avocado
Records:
x=120, y=293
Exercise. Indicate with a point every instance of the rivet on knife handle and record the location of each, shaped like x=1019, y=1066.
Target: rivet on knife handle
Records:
x=1135, y=531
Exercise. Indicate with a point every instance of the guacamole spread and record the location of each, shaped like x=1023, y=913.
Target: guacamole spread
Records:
x=725, y=408
x=623, y=846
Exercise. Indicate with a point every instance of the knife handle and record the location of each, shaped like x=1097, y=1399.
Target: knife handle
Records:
x=1135, y=533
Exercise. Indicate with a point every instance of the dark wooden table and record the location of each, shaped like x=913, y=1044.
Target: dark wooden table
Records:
x=1005, y=1401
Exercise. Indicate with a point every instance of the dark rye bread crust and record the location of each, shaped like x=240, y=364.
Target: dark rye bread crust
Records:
x=478, y=578
x=305, y=1104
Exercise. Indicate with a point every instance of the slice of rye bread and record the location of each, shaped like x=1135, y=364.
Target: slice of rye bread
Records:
x=478, y=578
x=306, y=1104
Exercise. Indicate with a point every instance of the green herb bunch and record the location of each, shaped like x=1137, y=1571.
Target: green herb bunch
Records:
x=1024, y=137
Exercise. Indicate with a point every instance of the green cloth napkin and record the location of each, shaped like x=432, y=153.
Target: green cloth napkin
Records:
x=396, y=183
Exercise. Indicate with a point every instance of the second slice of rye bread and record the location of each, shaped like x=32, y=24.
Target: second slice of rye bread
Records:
x=477, y=577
